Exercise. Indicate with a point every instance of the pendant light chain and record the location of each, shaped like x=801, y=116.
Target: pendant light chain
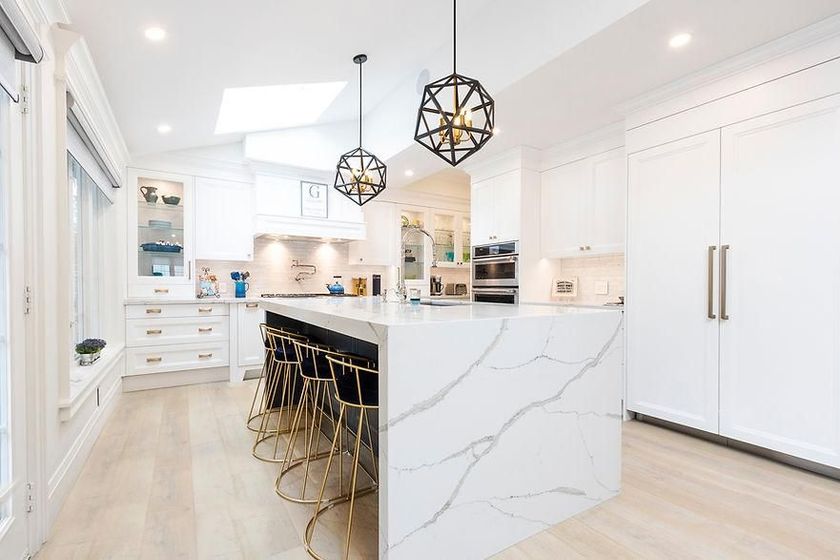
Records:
x=360, y=105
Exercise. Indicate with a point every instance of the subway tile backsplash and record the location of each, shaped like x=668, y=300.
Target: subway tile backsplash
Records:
x=271, y=270
x=592, y=272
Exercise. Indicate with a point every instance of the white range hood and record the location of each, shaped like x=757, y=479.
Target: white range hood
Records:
x=278, y=211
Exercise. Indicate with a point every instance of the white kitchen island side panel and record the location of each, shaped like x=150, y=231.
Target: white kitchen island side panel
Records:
x=495, y=432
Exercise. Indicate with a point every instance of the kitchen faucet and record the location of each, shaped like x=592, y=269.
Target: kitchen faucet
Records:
x=401, y=291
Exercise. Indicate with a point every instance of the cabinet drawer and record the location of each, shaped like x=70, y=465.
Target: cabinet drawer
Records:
x=184, y=291
x=176, y=330
x=164, y=310
x=158, y=359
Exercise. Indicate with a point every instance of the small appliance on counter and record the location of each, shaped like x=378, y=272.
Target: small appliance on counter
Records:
x=358, y=286
x=458, y=289
x=376, y=285
x=336, y=288
x=436, y=285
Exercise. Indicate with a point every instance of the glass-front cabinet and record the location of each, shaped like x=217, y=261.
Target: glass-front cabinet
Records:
x=452, y=239
x=160, y=235
x=413, y=258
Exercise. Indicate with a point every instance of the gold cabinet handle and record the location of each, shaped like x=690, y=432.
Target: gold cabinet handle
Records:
x=155, y=311
x=154, y=359
x=205, y=309
x=203, y=356
x=153, y=331
x=205, y=329
x=723, y=251
x=161, y=290
x=710, y=297
x=251, y=305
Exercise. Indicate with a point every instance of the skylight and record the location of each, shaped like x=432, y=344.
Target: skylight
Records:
x=249, y=109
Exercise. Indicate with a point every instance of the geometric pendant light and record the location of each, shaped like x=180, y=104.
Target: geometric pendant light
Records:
x=360, y=175
x=456, y=116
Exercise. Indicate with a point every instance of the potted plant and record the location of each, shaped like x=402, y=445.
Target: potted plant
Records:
x=89, y=350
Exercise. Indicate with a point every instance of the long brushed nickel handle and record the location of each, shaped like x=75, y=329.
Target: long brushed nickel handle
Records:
x=155, y=359
x=202, y=356
x=251, y=305
x=205, y=309
x=161, y=290
x=205, y=329
x=710, y=296
x=723, y=250
x=155, y=311
x=153, y=331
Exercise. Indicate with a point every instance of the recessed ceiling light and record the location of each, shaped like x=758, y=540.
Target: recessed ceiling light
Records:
x=409, y=173
x=680, y=40
x=155, y=34
x=248, y=109
x=164, y=128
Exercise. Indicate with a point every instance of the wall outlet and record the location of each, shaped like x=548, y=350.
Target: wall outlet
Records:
x=602, y=287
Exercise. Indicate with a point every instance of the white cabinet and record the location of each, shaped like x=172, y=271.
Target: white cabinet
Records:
x=496, y=204
x=224, y=220
x=161, y=240
x=722, y=227
x=382, y=228
x=250, y=348
x=451, y=231
x=583, y=206
x=780, y=347
x=672, y=344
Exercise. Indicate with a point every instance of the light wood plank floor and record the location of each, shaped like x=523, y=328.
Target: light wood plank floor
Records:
x=172, y=477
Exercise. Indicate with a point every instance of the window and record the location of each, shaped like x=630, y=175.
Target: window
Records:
x=87, y=208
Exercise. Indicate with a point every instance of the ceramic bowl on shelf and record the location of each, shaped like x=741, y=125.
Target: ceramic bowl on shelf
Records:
x=171, y=199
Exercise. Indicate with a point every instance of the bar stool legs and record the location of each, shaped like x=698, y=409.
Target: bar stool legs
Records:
x=258, y=403
x=278, y=396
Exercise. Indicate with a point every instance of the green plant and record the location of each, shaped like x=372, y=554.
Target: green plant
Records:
x=90, y=346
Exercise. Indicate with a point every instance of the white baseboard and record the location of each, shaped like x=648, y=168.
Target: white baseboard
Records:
x=174, y=379
x=65, y=475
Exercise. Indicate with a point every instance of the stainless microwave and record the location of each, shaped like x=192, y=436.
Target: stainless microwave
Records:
x=496, y=265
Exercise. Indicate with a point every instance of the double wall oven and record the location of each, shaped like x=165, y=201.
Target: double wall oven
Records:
x=495, y=272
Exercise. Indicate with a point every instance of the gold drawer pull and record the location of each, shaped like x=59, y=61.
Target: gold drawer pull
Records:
x=205, y=309
x=155, y=311
x=202, y=356
x=251, y=305
x=153, y=360
x=161, y=290
x=153, y=331
x=205, y=329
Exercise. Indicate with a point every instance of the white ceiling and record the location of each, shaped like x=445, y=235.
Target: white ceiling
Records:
x=557, y=68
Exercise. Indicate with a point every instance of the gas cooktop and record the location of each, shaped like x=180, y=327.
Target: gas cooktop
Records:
x=306, y=295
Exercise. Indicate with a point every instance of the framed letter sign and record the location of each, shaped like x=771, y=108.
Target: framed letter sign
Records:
x=313, y=200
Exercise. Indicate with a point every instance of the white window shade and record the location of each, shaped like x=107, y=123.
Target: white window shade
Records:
x=77, y=148
x=77, y=121
x=18, y=41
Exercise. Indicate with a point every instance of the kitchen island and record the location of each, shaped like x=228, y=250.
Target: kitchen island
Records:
x=495, y=423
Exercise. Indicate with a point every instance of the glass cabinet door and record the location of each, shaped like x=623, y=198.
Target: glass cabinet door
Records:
x=161, y=225
x=466, y=245
x=444, y=239
x=413, y=259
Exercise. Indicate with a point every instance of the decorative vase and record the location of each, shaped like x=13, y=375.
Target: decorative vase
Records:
x=88, y=359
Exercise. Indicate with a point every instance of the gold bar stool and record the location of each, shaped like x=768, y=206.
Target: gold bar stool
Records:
x=314, y=405
x=258, y=403
x=356, y=386
x=281, y=380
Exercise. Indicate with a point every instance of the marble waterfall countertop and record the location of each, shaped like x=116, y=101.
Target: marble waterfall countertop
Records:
x=495, y=421
x=365, y=317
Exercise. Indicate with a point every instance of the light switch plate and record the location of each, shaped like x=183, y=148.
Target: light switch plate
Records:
x=602, y=287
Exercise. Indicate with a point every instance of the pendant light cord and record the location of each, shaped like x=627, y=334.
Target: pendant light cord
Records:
x=454, y=34
x=360, y=104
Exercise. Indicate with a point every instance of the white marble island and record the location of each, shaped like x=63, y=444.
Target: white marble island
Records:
x=496, y=421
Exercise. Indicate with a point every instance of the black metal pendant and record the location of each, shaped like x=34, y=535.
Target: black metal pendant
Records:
x=360, y=175
x=456, y=117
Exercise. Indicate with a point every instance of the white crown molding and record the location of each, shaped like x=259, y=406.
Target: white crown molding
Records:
x=518, y=158
x=593, y=143
x=189, y=162
x=819, y=32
